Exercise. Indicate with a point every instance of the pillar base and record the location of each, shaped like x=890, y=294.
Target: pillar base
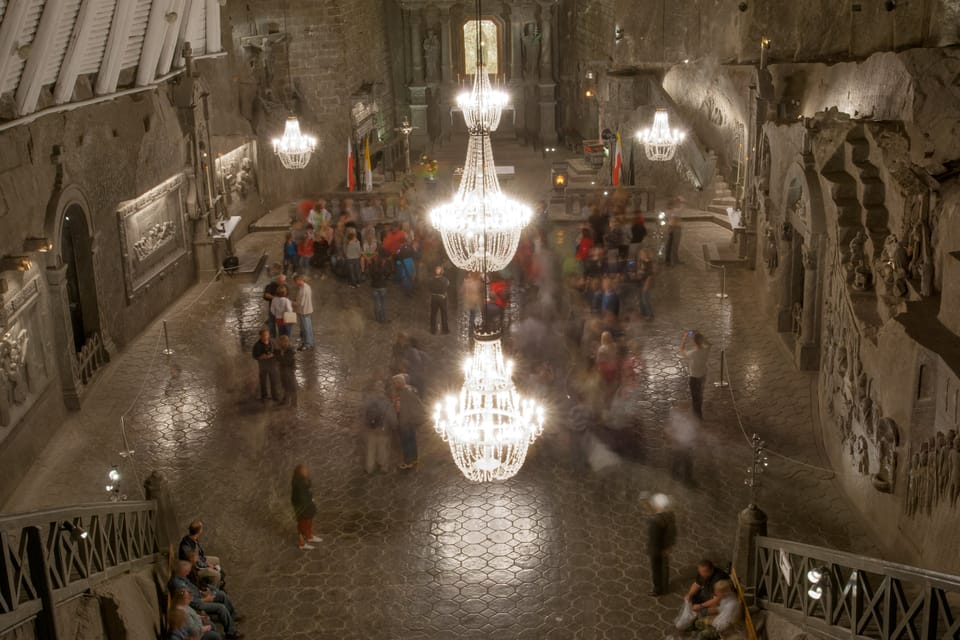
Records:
x=751, y=522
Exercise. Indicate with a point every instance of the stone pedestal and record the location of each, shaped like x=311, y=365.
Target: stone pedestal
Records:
x=751, y=522
x=420, y=137
x=548, y=114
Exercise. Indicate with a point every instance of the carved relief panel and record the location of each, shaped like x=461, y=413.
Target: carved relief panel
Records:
x=24, y=370
x=152, y=234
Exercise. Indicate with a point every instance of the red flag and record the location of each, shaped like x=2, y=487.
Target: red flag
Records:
x=351, y=172
x=617, y=163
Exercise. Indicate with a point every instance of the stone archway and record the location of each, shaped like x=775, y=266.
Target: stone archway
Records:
x=80, y=339
x=803, y=231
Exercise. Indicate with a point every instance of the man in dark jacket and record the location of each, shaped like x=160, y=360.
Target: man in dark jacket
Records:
x=208, y=567
x=661, y=536
x=438, y=300
x=263, y=353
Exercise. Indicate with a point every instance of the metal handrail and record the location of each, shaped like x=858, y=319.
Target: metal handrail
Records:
x=862, y=597
x=44, y=560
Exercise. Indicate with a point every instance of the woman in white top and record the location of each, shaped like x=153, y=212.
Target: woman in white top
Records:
x=279, y=305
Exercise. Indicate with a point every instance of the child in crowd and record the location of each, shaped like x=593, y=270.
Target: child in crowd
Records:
x=289, y=254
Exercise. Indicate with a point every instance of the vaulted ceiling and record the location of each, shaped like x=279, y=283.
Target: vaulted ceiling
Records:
x=46, y=45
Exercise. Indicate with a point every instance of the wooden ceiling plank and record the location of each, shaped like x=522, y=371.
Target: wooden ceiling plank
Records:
x=112, y=61
x=79, y=38
x=28, y=90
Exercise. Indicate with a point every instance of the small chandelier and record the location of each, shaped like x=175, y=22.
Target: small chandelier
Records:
x=489, y=426
x=482, y=106
x=294, y=148
x=660, y=141
x=481, y=226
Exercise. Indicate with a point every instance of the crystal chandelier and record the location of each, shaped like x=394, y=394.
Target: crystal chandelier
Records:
x=489, y=426
x=660, y=141
x=294, y=148
x=483, y=105
x=481, y=226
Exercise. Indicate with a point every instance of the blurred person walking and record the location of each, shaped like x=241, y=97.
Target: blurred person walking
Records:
x=695, y=349
x=661, y=536
x=301, y=496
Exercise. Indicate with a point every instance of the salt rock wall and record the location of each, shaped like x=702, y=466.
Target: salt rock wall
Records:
x=331, y=48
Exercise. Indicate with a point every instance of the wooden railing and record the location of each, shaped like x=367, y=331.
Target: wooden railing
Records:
x=860, y=597
x=92, y=355
x=45, y=559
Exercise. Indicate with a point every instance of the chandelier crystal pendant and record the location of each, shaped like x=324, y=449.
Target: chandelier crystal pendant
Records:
x=483, y=105
x=489, y=426
x=480, y=226
x=660, y=141
x=294, y=148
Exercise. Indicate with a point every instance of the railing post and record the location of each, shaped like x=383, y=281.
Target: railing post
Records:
x=40, y=576
x=156, y=489
x=751, y=522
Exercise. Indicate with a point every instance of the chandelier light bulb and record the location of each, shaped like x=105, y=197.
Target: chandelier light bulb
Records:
x=483, y=105
x=488, y=426
x=294, y=148
x=660, y=141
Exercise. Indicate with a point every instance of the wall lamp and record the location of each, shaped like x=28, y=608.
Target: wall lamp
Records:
x=15, y=263
x=817, y=578
x=38, y=245
x=589, y=93
x=76, y=531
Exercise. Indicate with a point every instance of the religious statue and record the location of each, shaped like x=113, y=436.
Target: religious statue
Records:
x=888, y=439
x=531, y=50
x=13, y=372
x=431, y=56
x=771, y=253
x=861, y=459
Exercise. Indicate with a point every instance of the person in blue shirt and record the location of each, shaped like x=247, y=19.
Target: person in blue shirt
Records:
x=210, y=601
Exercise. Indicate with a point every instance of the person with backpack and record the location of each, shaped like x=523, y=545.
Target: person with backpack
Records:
x=661, y=536
x=380, y=419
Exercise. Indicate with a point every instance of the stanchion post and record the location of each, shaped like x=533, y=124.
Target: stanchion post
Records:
x=166, y=341
x=722, y=382
x=723, y=282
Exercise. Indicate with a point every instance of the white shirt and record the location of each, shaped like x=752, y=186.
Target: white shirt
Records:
x=305, y=300
x=697, y=361
x=728, y=613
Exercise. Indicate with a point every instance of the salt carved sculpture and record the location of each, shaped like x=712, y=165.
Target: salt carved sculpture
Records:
x=14, y=375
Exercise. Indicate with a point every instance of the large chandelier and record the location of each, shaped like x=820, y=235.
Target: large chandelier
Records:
x=481, y=226
x=294, y=148
x=489, y=426
x=483, y=105
x=660, y=141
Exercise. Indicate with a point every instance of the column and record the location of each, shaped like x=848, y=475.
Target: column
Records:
x=448, y=85
x=58, y=303
x=547, y=88
x=416, y=46
x=516, y=45
x=807, y=344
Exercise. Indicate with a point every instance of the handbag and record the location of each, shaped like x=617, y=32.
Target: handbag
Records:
x=289, y=317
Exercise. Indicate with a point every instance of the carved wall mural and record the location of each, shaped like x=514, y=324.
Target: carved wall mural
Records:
x=23, y=367
x=236, y=172
x=152, y=235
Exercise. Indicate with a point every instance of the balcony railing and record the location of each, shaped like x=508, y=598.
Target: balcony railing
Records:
x=859, y=597
x=47, y=557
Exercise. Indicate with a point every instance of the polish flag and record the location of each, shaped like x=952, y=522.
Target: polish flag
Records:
x=351, y=169
x=617, y=162
x=367, y=168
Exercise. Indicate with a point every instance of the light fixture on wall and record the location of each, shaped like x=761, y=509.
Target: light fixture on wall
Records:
x=15, y=263
x=76, y=532
x=818, y=578
x=113, y=488
x=618, y=33
x=660, y=141
x=37, y=245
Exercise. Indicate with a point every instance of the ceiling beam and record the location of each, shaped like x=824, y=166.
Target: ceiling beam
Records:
x=152, y=42
x=120, y=27
x=28, y=91
x=171, y=37
x=79, y=41
x=213, y=26
x=10, y=28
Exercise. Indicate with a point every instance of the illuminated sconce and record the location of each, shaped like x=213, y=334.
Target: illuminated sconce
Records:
x=618, y=33
x=589, y=93
x=15, y=263
x=38, y=245
x=558, y=175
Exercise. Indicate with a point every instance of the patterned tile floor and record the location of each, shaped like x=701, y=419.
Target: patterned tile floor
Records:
x=556, y=552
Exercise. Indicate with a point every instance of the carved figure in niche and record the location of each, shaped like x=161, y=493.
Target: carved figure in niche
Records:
x=786, y=232
x=953, y=458
x=531, y=50
x=857, y=255
x=944, y=447
x=888, y=439
x=771, y=254
x=14, y=376
x=862, y=457
x=913, y=480
x=431, y=56
x=892, y=267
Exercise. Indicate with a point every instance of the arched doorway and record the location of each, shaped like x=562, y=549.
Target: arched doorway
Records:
x=76, y=256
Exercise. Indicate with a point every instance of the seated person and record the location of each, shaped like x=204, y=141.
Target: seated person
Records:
x=177, y=626
x=208, y=567
x=726, y=613
x=197, y=626
x=209, y=601
x=701, y=593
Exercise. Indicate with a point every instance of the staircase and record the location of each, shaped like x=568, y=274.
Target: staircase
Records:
x=722, y=197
